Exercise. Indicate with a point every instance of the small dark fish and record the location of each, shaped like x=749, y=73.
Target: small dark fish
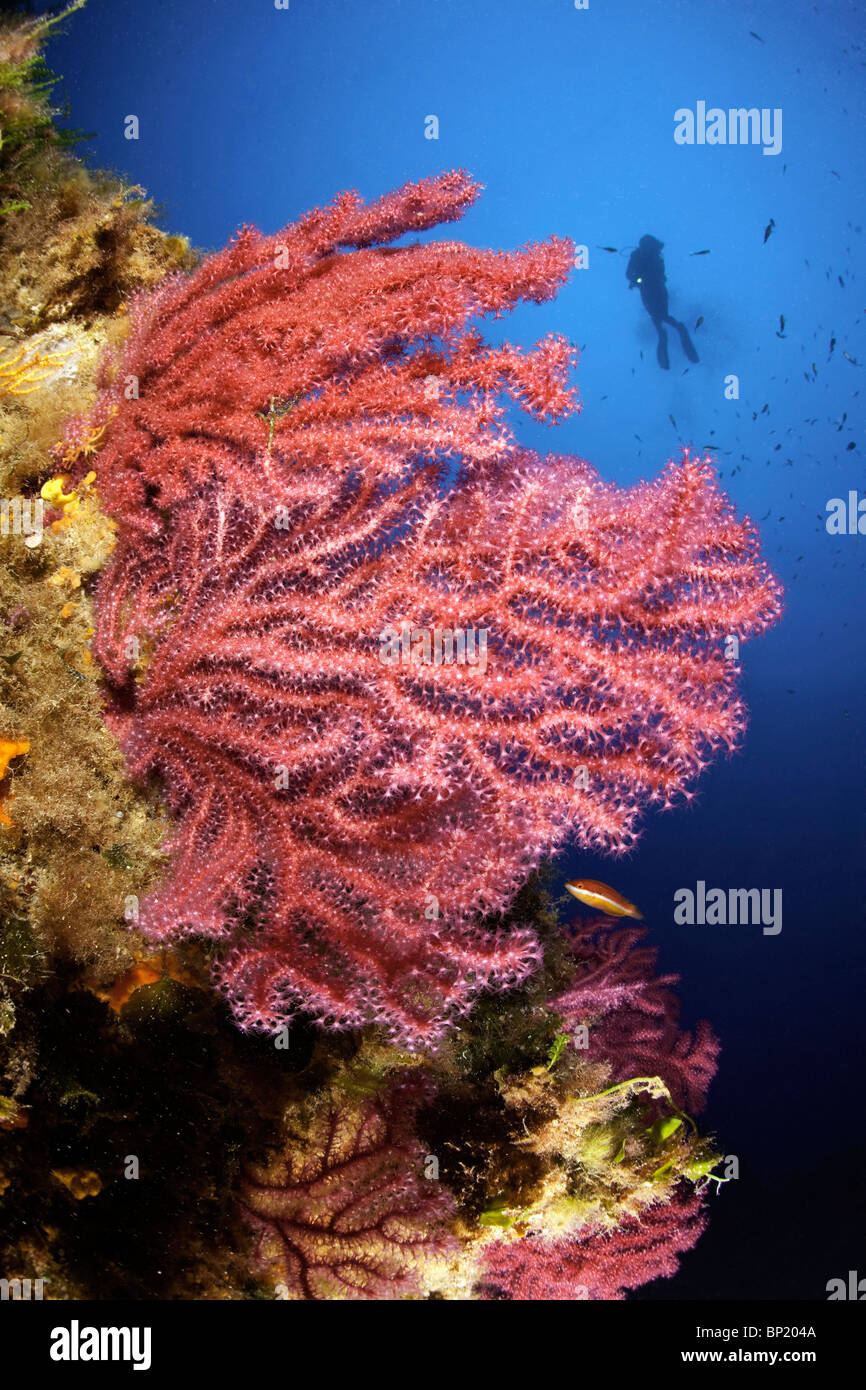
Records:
x=851, y=446
x=782, y=323
x=841, y=281
x=673, y=421
x=765, y=409
x=768, y=229
x=814, y=370
x=835, y=175
x=615, y=249
x=699, y=322
x=699, y=253
x=766, y=514
x=844, y=418
x=756, y=36
x=832, y=345
x=852, y=360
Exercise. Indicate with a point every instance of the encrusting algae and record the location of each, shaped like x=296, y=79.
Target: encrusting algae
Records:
x=77, y=843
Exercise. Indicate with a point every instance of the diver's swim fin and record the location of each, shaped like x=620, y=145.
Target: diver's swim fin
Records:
x=662, y=352
x=688, y=345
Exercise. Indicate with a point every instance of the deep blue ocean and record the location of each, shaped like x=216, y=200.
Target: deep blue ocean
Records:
x=251, y=112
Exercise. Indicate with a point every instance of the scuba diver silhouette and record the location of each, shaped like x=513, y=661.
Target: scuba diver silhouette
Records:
x=647, y=270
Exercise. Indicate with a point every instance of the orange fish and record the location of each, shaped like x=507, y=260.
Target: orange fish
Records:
x=600, y=896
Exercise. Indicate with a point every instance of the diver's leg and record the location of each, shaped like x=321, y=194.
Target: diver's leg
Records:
x=662, y=350
x=688, y=345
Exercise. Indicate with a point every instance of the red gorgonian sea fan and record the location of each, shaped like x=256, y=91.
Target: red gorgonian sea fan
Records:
x=344, y=1210
x=293, y=529
x=341, y=357
x=596, y=1263
x=632, y=1014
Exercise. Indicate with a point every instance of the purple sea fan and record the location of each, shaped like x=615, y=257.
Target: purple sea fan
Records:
x=597, y=1263
x=345, y=1211
x=632, y=1013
